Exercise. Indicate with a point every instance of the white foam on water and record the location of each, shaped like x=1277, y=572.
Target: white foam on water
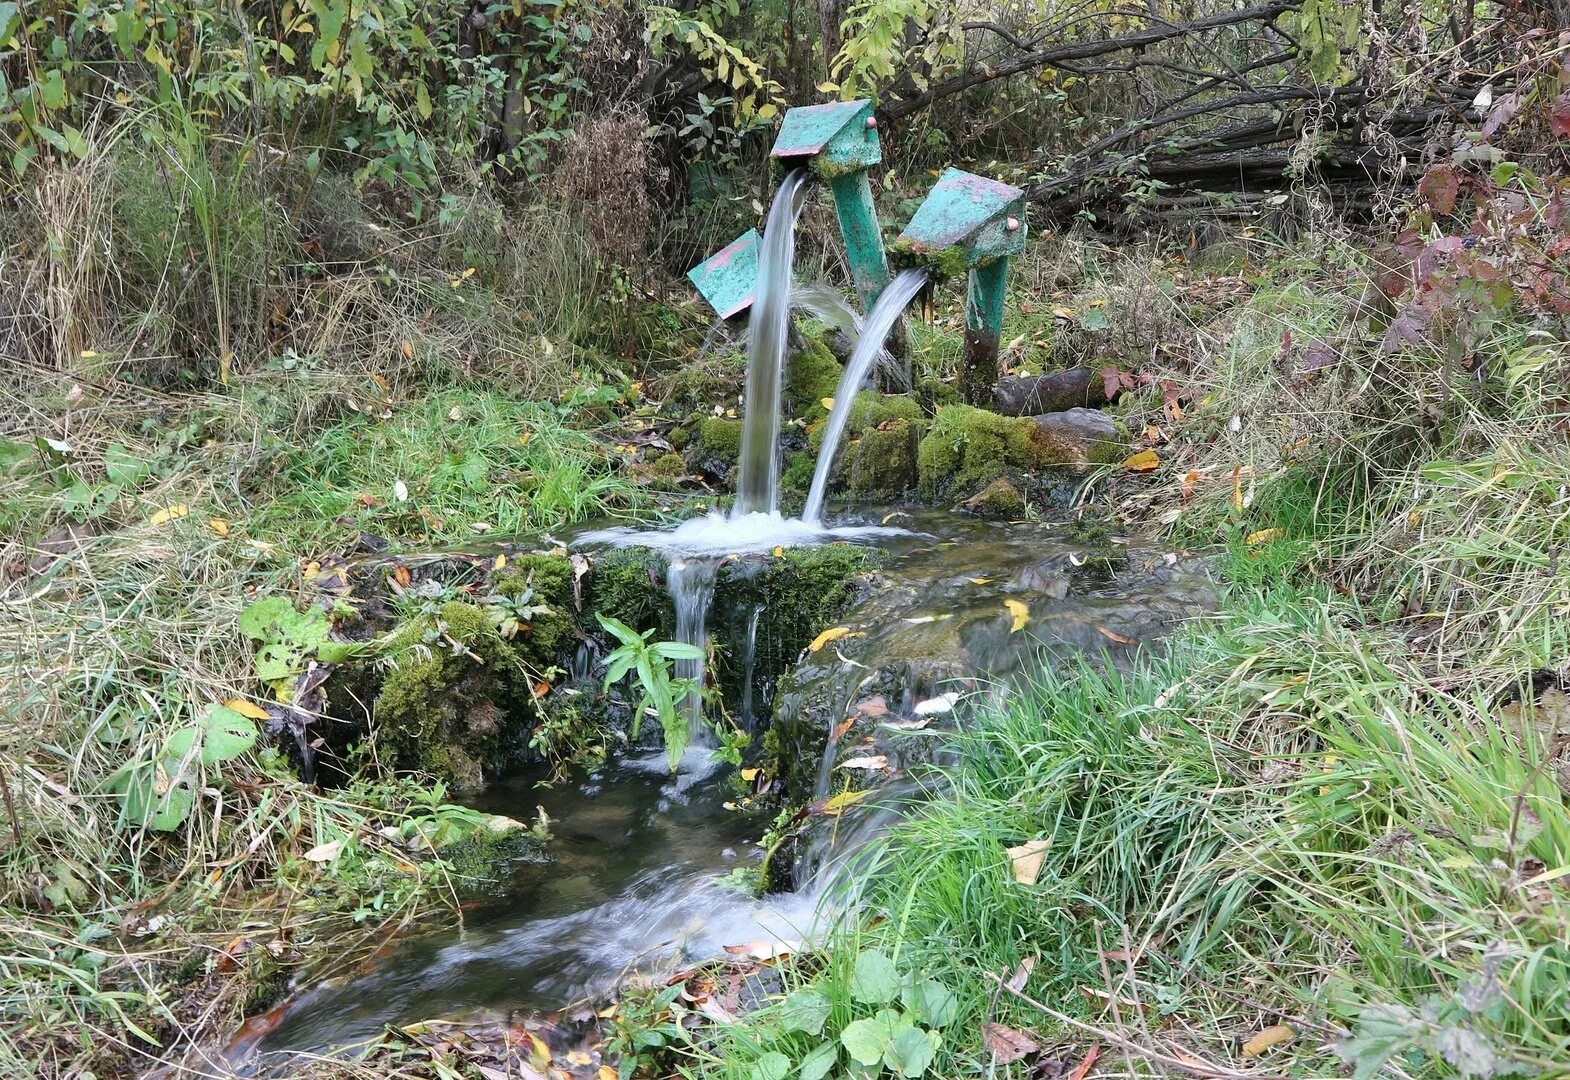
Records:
x=719, y=534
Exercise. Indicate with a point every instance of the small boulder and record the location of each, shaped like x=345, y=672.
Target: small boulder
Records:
x=1096, y=436
x=999, y=499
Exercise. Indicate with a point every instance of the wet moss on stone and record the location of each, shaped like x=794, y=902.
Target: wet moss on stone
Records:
x=450, y=703
x=968, y=448
x=540, y=641
x=796, y=596
x=812, y=375
x=719, y=438
x=669, y=468
x=629, y=585
x=797, y=476
x=883, y=462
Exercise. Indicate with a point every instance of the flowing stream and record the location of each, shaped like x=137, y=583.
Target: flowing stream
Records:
x=632, y=879
x=757, y=488
x=880, y=323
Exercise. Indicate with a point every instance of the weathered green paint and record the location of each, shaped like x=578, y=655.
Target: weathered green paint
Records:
x=967, y=212
x=968, y=221
x=978, y=373
x=869, y=266
x=728, y=278
x=838, y=138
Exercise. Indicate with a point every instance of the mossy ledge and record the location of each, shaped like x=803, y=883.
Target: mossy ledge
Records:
x=968, y=448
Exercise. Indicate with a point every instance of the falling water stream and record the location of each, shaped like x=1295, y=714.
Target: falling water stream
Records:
x=880, y=323
x=757, y=487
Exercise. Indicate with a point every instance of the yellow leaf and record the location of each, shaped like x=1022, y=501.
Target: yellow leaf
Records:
x=833, y=633
x=1263, y=536
x=835, y=805
x=523, y=440
x=1027, y=859
x=1021, y=614
x=88, y=354
x=1271, y=1036
x=1063, y=312
x=501, y=561
x=246, y=708
x=1143, y=461
x=219, y=526
x=827, y=403
x=979, y=580
x=749, y=775
x=779, y=552
x=169, y=513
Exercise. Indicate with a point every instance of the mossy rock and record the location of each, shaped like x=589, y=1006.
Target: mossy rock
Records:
x=495, y=843
x=679, y=437
x=796, y=596
x=451, y=703
x=968, y=448
x=999, y=499
x=934, y=393
x=541, y=640
x=718, y=447
x=811, y=375
x=871, y=410
x=797, y=475
x=629, y=585
x=714, y=380
x=882, y=463
x=668, y=469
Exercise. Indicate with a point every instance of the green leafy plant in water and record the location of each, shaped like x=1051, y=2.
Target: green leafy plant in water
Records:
x=659, y=688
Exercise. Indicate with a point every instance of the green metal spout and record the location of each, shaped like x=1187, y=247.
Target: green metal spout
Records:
x=728, y=278
x=972, y=224
x=839, y=143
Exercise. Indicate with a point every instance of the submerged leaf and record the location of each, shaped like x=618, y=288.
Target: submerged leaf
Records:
x=1020, y=613
x=833, y=633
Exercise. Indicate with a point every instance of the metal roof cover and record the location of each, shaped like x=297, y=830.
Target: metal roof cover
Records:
x=970, y=211
x=835, y=134
x=728, y=278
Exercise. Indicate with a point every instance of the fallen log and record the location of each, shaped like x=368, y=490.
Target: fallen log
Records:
x=1032, y=395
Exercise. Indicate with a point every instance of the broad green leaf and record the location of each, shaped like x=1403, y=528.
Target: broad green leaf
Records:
x=178, y=746
x=932, y=1002
x=123, y=467
x=818, y=1064
x=771, y=1066
x=911, y=1050
x=867, y=1040
x=875, y=981
x=677, y=650
x=805, y=1010
x=225, y=735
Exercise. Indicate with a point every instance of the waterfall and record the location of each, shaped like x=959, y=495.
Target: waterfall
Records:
x=757, y=490
x=691, y=585
x=880, y=321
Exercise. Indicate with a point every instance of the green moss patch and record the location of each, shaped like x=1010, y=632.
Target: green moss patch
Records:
x=451, y=702
x=812, y=375
x=968, y=448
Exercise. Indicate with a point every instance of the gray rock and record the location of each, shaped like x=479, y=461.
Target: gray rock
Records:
x=1084, y=426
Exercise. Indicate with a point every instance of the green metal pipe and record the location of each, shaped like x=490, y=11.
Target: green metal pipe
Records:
x=869, y=266
x=978, y=373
